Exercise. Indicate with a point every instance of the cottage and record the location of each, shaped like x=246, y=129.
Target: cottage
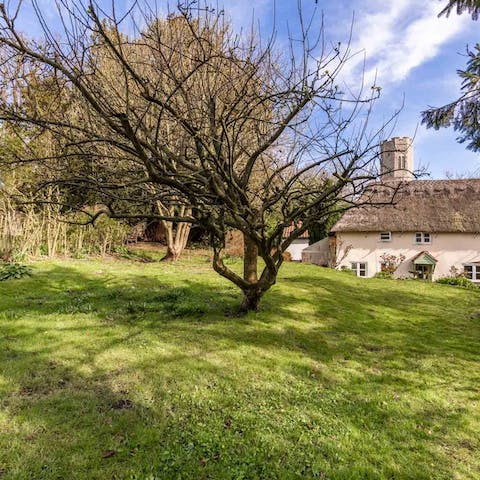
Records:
x=296, y=248
x=430, y=231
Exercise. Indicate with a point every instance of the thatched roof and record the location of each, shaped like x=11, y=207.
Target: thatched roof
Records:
x=419, y=205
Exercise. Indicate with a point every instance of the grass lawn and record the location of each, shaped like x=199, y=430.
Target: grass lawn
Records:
x=116, y=369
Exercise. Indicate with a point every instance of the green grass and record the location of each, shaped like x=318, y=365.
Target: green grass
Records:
x=123, y=370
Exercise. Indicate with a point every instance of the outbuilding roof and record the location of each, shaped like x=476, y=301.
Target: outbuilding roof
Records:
x=287, y=231
x=419, y=205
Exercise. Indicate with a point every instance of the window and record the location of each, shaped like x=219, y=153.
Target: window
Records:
x=422, y=237
x=472, y=272
x=359, y=268
x=385, y=236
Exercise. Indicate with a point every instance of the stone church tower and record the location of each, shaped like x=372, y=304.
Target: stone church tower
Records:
x=397, y=159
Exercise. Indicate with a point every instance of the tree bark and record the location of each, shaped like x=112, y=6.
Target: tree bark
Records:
x=250, y=261
x=251, y=300
x=252, y=294
x=172, y=255
x=176, y=241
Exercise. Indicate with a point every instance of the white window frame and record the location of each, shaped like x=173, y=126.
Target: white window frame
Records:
x=357, y=268
x=475, y=272
x=387, y=234
x=423, y=238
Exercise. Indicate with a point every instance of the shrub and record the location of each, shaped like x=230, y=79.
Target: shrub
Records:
x=348, y=270
x=11, y=271
x=458, y=281
x=391, y=263
x=384, y=275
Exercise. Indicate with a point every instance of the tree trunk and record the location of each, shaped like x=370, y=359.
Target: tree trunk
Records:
x=176, y=241
x=253, y=294
x=251, y=300
x=250, y=260
x=252, y=286
x=172, y=255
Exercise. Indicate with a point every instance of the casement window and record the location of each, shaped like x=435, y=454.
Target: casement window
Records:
x=385, y=236
x=422, y=238
x=472, y=272
x=360, y=269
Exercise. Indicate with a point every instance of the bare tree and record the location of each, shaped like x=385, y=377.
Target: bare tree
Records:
x=243, y=135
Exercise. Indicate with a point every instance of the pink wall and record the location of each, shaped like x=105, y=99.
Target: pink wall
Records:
x=450, y=249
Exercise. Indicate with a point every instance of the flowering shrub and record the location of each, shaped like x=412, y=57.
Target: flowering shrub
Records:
x=391, y=262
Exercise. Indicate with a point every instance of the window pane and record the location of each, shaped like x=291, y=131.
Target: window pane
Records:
x=477, y=273
x=362, y=271
x=426, y=238
x=468, y=271
x=418, y=237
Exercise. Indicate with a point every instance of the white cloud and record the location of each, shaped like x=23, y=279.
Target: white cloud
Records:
x=397, y=38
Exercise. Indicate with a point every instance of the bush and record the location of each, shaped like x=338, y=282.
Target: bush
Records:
x=384, y=275
x=390, y=263
x=12, y=271
x=348, y=270
x=458, y=281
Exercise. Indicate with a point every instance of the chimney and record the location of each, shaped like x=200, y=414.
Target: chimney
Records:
x=396, y=159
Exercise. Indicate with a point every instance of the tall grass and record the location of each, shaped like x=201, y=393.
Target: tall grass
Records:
x=37, y=231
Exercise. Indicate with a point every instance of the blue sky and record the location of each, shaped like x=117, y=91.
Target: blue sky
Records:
x=412, y=53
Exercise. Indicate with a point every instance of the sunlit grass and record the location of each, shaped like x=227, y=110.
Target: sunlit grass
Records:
x=125, y=370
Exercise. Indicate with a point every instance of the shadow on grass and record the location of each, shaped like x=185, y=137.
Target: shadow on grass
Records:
x=317, y=398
